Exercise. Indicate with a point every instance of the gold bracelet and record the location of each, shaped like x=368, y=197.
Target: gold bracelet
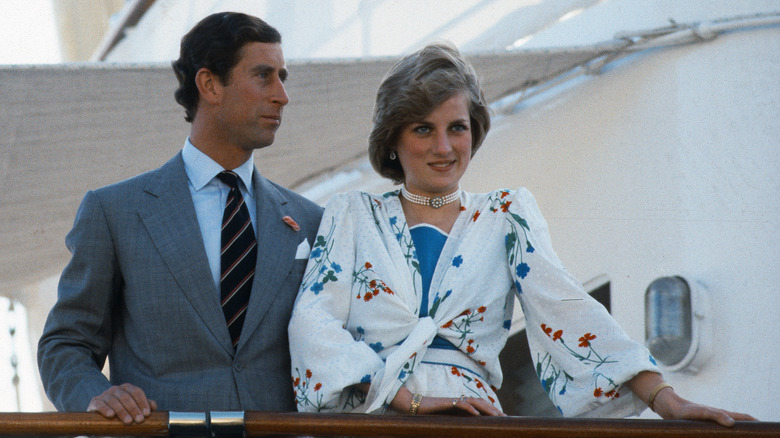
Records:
x=655, y=392
x=416, y=400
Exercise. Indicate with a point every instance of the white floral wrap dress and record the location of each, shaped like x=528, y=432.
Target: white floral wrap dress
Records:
x=356, y=319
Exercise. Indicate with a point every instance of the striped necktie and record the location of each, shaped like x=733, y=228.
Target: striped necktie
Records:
x=238, y=257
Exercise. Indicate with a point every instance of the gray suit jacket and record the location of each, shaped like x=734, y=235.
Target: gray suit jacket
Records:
x=138, y=289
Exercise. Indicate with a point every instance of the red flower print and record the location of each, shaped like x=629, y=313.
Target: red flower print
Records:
x=504, y=194
x=388, y=290
x=372, y=284
x=447, y=325
x=476, y=215
x=317, y=386
x=585, y=339
x=546, y=330
x=482, y=309
x=597, y=392
x=455, y=371
x=609, y=394
x=479, y=384
x=557, y=335
x=505, y=206
x=308, y=374
x=470, y=349
x=492, y=400
x=483, y=363
x=367, y=297
x=465, y=312
x=297, y=381
x=368, y=265
x=462, y=208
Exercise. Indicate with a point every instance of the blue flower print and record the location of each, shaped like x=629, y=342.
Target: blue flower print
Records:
x=336, y=267
x=507, y=324
x=376, y=346
x=366, y=379
x=316, y=253
x=316, y=288
x=652, y=360
x=529, y=248
x=393, y=220
x=518, y=287
x=522, y=270
x=457, y=261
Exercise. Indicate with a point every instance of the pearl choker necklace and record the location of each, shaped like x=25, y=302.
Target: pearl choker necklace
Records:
x=435, y=202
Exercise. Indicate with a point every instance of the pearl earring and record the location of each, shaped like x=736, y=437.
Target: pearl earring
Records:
x=392, y=155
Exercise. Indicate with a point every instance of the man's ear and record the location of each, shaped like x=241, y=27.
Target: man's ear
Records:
x=209, y=86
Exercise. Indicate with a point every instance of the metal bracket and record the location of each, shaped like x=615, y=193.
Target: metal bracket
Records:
x=188, y=424
x=227, y=423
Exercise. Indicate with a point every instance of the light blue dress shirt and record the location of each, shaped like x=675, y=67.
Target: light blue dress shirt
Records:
x=209, y=195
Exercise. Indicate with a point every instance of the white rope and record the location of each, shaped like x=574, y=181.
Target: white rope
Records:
x=626, y=43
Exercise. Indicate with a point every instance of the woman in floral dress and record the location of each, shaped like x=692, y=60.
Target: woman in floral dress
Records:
x=407, y=298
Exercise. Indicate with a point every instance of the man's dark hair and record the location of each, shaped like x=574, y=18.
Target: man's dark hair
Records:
x=215, y=43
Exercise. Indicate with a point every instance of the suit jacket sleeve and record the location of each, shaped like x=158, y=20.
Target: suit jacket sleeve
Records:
x=77, y=334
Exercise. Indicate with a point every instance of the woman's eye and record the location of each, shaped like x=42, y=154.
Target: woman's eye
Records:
x=460, y=127
x=421, y=129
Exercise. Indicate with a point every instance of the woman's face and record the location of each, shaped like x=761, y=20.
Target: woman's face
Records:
x=435, y=151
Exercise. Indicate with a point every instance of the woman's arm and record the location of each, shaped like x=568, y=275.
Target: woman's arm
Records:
x=650, y=388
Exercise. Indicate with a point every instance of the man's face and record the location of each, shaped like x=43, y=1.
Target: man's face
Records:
x=251, y=107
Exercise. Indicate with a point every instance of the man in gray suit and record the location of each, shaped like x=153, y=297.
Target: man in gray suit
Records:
x=143, y=286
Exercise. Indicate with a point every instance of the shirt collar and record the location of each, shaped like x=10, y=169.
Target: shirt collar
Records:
x=201, y=169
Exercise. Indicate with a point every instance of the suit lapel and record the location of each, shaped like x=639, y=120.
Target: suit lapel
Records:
x=169, y=217
x=276, y=243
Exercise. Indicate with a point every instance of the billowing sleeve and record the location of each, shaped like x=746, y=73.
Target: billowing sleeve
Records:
x=327, y=361
x=581, y=355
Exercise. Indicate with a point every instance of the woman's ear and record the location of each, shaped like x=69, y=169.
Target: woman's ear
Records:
x=209, y=86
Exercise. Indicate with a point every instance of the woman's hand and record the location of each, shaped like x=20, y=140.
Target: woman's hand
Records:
x=670, y=406
x=458, y=406
x=444, y=405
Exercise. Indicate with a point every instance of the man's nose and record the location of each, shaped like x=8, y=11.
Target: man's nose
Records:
x=280, y=94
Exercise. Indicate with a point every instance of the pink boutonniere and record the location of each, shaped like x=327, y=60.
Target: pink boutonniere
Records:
x=291, y=223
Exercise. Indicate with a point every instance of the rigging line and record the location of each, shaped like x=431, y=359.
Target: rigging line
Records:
x=626, y=43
